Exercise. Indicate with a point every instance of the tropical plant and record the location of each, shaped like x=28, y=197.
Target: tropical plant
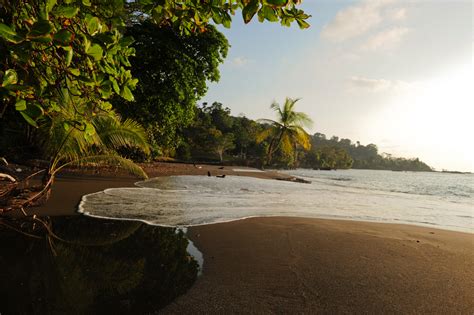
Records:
x=73, y=146
x=287, y=131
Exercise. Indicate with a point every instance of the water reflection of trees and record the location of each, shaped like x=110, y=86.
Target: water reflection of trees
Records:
x=100, y=266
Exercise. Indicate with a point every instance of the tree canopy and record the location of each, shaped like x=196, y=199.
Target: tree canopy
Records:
x=54, y=52
x=173, y=71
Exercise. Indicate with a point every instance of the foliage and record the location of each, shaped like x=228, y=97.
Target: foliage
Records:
x=210, y=131
x=328, y=157
x=172, y=70
x=193, y=15
x=252, y=139
x=245, y=132
x=221, y=142
x=74, y=146
x=54, y=52
x=61, y=61
x=287, y=132
x=54, y=55
x=363, y=156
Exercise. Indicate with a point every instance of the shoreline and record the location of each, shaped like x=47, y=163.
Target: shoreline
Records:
x=71, y=186
x=305, y=265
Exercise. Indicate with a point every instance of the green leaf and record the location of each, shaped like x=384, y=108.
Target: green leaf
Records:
x=95, y=51
x=106, y=106
x=270, y=14
x=63, y=37
x=20, y=105
x=86, y=3
x=105, y=89
x=54, y=106
x=226, y=20
x=302, y=24
x=126, y=41
x=29, y=119
x=92, y=24
x=278, y=3
x=9, y=78
x=89, y=130
x=42, y=39
x=40, y=29
x=65, y=11
x=87, y=81
x=10, y=35
x=75, y=72
x=69, y=55
x=250, y=10
x=115, y=85
x=127, y=94
x=50, y=4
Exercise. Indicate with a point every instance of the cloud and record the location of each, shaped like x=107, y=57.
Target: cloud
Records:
x=398, y=14
x=376, y=85
x=355, y=20
x=239, y=61
x=385, y=40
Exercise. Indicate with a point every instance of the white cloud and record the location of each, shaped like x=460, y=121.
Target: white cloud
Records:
x=385, y=40
x=377, y=85
x=398, y=14
x=355, y=20
x=239, y=61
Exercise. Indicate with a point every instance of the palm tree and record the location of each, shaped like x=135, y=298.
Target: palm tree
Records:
x=68, y=142
x=287, y=131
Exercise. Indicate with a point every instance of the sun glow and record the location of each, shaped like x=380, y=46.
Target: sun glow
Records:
x=433, y=120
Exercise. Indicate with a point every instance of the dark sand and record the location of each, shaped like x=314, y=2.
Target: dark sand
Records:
x=293, y=266
x=296, y=265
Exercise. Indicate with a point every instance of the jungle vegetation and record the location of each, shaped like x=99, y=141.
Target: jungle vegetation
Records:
x=63, y=63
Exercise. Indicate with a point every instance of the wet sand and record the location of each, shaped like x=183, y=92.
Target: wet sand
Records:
x=284, y=265
x=297, y=265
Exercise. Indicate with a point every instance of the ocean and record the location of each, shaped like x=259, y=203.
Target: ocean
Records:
x=438, y=200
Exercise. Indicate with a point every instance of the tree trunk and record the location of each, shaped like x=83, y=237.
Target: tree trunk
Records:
x=272, y=150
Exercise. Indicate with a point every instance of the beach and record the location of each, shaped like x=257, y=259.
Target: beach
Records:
x=72, y=184
x=303, y=265
x=284, y=265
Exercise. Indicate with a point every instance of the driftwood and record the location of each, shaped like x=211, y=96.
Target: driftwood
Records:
x=19, y=194
x=4, y=176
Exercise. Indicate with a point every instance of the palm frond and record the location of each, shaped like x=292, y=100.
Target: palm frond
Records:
x=286, y=144
x=302, y=119
x=276, y=107
x=109, y=160
x=265, y=134
x=301, y=137
x=269, y=122
x=115, y=134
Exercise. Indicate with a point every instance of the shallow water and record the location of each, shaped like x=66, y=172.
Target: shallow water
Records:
x=95, y=266
x=432, y=199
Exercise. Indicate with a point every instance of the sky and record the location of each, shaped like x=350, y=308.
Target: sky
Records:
x=396, y=73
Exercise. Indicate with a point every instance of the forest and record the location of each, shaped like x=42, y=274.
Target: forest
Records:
x=215, y=135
